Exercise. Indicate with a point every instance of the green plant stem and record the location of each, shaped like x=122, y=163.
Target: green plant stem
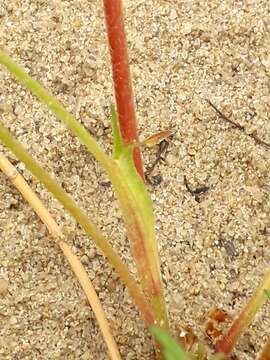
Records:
x=121, y=77
x=137, y=211
x=226, y=344
x=82, y=219
x=143, y=243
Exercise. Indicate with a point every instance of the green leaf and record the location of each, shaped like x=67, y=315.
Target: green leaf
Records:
x=172, y=350
x=267, y=293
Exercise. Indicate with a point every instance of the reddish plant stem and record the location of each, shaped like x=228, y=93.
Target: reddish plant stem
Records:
x=265, y=355
x=226, y=344
x=121, y=77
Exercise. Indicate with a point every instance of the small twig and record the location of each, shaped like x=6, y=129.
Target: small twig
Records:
x=224, y=117
x=78, y=269
x=106, y=184
x=238, y=126
x=163, y=145
x=196, y=192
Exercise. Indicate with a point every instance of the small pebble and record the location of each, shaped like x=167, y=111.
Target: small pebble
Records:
x=3, y=287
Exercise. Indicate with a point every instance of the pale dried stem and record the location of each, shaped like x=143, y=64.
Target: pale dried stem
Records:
x=19, y=182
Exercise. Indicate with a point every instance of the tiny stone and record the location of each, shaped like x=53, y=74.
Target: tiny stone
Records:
x=13, y=320
x=173, y=14
x=84, y=259
x=86, y=355
x=5, y=107
x=91, y=253
x=171, y=159
x=187, y=28
x=266, y=62
x=3, y=287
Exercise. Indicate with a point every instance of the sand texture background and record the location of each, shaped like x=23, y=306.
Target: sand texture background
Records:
x=214, y=251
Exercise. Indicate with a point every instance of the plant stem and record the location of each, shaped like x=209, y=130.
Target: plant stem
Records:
x=265, y=355
x=137, y=211
x=82, y=219
x=121, y=77
x=147, y=261
x=226, y=344
x=75, y=264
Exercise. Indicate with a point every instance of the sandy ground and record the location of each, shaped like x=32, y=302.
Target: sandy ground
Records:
x=214, y=249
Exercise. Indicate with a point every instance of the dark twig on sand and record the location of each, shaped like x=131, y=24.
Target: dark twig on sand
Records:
x=156, y=180
x=195, y=192
x=238, y=126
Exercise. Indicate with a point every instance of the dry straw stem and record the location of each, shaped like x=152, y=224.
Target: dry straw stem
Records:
x=19, y=182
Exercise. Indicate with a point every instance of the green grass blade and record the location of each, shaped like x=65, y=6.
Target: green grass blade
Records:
x=55, y=106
